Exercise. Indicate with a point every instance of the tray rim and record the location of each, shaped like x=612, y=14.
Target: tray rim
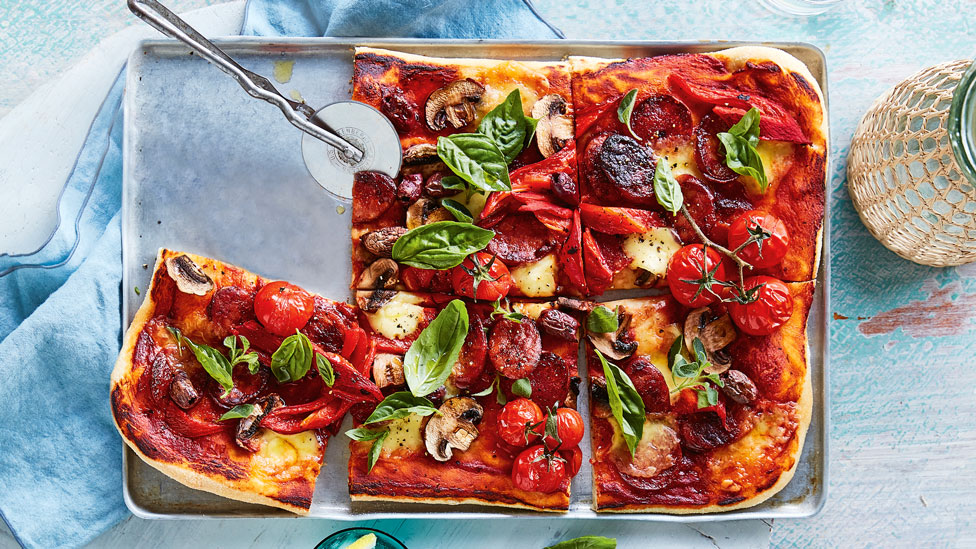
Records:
x=266, y=46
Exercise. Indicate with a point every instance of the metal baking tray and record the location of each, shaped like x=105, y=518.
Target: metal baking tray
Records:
x=209, y=170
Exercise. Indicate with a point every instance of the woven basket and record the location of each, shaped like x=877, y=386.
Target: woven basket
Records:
x=903, y=177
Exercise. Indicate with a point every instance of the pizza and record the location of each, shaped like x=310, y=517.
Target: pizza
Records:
x=233, y=384
x=485, y=435
x=694, y=458
x=530, y=192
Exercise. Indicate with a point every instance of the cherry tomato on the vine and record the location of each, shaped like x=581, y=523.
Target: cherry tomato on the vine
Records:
x=569, y=429
x=283, y=307
x=770, y=240
x=515, y=421
x=537, y=471
x=489, y=275
x=574, y=460
x=773, y=306
x=690, y=264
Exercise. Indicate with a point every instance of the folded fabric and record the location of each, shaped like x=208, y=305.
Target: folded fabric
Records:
x=60, y=325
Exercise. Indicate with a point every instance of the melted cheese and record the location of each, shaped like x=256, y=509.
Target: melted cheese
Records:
x=284, y=457
x=536, y=279
x=500, y=79
x=405, y=436
x=398, y=318
x=654, y=333
x=681, y=158
x=531, y=310
x=652, y=250
x=474, y=203
x=655, y=451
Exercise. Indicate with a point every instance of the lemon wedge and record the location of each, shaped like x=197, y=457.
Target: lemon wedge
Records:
x=366, y=542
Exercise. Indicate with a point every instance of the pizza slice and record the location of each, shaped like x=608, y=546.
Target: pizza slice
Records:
x=647, y=119
x=690, y=414
x=489, y=163
x=479, y=408
x=232, y=384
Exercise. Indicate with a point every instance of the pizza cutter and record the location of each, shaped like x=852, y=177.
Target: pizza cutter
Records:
x=340, y=139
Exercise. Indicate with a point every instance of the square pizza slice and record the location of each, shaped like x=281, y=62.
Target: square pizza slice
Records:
x=485, y=142
x=224, y=383
x=675, y=116
x=493, y=423
x=699, y=416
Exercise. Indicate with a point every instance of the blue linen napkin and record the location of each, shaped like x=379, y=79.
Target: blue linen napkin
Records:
x=60, y=322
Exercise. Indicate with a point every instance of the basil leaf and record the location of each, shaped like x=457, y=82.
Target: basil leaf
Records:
x=212, y=360
x=625, y=403
x=602, y=320
x=684, y=369
x=487, y=391
x=241, y=356
x=400, y=405
x=374, y=452
x=475, y=158
x=441, y=245
x=499, y=395
x=508, y=126
x=707, y=396
x=666, y=188
x=586, y=542
x=699, y=348
x=453, y=183
x=292, y=359
x=625, y=109
x=239, y=411
x=522, y=387
x=325, y=370
x=460, y=211
x=675, y=350
x=740, y=144
x=363, y=434
x=429, y=359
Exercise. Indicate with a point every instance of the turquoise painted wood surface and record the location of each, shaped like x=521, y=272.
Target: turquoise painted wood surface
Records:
x=903, y=455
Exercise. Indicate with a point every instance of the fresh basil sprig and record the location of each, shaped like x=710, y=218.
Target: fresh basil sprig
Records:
x=602, y=320
x=586, y=542
x=625, y=403
x=506, y=312
x=693, y=374
x=212, y=360
x=428, y=361
x=626, y=108
x=522, y=387
x=740, y=148
x=326, y=372
x=242, y=355
x=475, y=158
x=666, y=188
x=292, y=359
x=496, y=386
x=441, y=245
x=460, y=211
x=508, y=126
x=239, y=411
x=377, y=436
x=400, y=405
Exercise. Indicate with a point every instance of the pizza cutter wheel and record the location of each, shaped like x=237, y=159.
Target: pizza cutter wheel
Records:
x=340, y=139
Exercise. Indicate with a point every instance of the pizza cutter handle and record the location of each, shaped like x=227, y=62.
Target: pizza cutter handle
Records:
x=299, y=114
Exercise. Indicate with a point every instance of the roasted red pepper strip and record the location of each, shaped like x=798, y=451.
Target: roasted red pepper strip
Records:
x=599, y=275
x=496, y=205
x=387, y=345
x=362, y=357
x=288, y=419
x=587, y=117
x=571, y=255
x=348, y=379
x=327, y=415
x=351, y=339
x=538, y=176
x=258, y=337
x=618, y=220
x=202, y=422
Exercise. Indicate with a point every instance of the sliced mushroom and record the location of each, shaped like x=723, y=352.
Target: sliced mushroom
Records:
x=555, y=127
x=370, y=301
x=250, y=425
x=716, y=332
x=739, y=387
x=426, y=211
x=380, y=242
x=189, y=277
x=182, y=391
x=388, y=370
x=454, y=427
x=454, y=104
x=381, y=274
x=422, y=153
x=611, y=344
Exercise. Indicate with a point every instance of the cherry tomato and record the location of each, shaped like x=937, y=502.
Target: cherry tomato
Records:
x=534, y=471
x=569, y=427
x=574, y=459
x=767, y=252
x=283, y=308
x=515, y=420
x=771, y=309
x=489, y=275
x=694, y=263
